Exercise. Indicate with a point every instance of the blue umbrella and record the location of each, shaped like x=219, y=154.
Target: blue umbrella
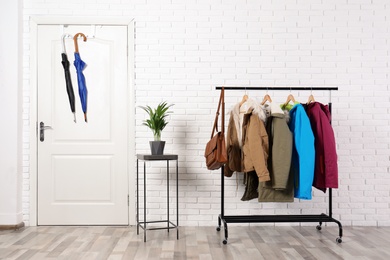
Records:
x=80, y=66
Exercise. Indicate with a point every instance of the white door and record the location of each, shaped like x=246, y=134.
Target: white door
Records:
x=82, y=167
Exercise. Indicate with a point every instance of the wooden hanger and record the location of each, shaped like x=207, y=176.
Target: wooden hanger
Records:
x=244, y=99
x=265, y=99
x=290, y=98
x=311, y=99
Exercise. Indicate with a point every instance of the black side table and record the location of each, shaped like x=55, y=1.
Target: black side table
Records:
x=143, y=223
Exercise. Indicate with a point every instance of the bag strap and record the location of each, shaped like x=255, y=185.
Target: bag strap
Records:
x=223, y=110
x=221, y=102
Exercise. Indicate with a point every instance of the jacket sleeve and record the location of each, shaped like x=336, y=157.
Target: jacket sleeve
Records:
x=330, y=155
x=314, y=114
x=258, y=148
x=281, y=152
x=326, y=170
x=227, y=171
x=304, y=142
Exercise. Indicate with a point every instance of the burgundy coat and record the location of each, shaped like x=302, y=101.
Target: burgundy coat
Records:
x=326, y=170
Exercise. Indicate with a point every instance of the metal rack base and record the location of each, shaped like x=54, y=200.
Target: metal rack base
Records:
x=277, y=219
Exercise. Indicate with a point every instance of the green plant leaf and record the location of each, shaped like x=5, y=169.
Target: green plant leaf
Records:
x=157, y=118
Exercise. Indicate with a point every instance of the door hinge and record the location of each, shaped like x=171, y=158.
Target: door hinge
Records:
x=128, y=200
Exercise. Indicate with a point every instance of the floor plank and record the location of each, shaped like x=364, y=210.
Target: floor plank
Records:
x=200, y=243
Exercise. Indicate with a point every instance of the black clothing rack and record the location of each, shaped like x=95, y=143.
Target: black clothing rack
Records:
x=222, y=218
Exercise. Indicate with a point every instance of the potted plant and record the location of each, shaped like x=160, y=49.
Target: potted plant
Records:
x=157, y=121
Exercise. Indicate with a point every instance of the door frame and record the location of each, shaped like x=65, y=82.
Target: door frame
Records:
x=36, y=21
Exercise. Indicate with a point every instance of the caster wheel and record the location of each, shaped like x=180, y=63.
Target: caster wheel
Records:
x=318, y=227
x=218, y=228
x=339, y=240
x=224, y=242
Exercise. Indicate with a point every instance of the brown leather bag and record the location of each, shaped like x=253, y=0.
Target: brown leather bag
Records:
x=215, y=152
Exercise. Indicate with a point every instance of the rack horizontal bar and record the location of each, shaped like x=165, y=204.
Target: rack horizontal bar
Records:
x=275, y=88
x=277, y=218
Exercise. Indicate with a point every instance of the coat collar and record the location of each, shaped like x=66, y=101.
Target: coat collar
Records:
x=238, y=112
x=275, y=110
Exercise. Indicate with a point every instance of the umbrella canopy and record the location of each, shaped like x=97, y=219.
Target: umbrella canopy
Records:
x=80, y=66
x=69, y=87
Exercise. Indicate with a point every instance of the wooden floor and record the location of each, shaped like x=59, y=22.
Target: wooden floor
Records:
x=245, y=243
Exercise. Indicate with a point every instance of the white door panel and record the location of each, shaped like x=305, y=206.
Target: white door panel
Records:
x=82, y=167
x=70, y=186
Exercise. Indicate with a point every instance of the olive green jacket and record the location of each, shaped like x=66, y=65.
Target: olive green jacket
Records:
x=280, y=186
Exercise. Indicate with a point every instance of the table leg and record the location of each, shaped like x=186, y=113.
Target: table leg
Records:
x=144, y=201
x=177, y=199
x=137, y=202
x=168, y=193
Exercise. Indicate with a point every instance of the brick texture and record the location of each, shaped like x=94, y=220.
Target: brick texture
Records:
x=183, y=49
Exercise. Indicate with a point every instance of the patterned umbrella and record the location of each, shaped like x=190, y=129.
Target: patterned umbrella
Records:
x=80, y=66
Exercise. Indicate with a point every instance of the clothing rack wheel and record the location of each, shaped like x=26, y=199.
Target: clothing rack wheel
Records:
x=222, y=218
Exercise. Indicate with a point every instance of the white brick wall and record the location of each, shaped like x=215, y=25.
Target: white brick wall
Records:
x=185, y=48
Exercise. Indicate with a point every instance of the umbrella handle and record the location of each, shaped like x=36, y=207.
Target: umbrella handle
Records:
x=76, y=46
x=65, y=35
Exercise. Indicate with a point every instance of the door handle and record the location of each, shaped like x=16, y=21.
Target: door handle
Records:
x=42, y=129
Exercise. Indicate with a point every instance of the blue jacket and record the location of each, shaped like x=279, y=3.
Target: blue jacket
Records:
x=303, y=156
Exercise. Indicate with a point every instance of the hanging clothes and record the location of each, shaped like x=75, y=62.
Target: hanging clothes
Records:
x=251, y=186
x=303, y=156
x=280, y=187
x=326, y=169
x=255, y=144
x=247, y=146
x=235, y=139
